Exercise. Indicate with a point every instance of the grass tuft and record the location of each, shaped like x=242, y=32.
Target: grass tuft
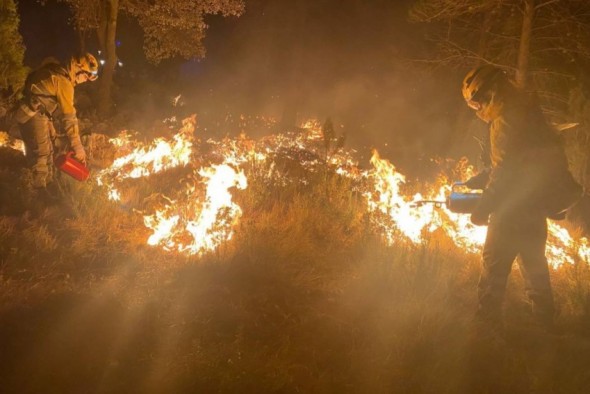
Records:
x=304, y=298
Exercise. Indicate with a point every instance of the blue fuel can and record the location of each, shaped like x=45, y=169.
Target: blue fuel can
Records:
x=462, y=202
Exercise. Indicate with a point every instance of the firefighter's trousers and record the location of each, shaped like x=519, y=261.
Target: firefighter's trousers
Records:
x=509, y=236
x=37, y=136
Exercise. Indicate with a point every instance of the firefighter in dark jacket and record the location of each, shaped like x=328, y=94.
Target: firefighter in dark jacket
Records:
x=527, y=181
x=49, y=93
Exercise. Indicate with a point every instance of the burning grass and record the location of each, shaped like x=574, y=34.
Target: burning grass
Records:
x=303, y=297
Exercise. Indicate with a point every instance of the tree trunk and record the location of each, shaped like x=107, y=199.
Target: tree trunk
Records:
x=106, y=41
x=81, y=41
x=486, y=26
x=524, y=51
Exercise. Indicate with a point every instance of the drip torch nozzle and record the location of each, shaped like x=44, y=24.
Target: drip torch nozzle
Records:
x=457, y=202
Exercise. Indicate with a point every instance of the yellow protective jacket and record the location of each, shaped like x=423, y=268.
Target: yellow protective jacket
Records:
x=50, y=90
x=528, y=166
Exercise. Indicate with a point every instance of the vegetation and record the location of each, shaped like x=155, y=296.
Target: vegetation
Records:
x=12, y=50
x=305, y=298
x=543, y=40
x=170, y=28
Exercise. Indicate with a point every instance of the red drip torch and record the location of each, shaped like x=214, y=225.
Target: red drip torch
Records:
x=68, y=164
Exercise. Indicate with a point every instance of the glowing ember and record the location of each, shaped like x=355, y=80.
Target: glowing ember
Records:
x=7, y=141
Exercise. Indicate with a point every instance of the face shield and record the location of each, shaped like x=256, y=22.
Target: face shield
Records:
x=92, y=75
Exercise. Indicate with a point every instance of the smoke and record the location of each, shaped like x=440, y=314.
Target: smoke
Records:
x=341, y=60
x=284, y=62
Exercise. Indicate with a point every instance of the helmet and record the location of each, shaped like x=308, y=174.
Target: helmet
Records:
x=86, y=63
x=478, y=81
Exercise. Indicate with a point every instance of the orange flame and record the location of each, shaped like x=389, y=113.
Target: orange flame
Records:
x=194, y=224
x=159, y=156
x=9, y=142
x=208, y=222
x=414, y=223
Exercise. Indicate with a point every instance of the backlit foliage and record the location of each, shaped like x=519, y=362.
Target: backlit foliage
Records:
x=177, y=27
x=171, y=27
x=12, y=50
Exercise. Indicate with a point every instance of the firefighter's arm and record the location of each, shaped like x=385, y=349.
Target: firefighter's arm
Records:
x=484, y=208
x=494, y=193
x=65, y=99
x=479, y=181
x=504, y=151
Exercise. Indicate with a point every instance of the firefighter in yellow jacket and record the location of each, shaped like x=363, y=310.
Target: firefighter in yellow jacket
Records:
x=527, y=181
x=49, y=93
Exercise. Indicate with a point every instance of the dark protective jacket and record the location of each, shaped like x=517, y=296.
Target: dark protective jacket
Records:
x=50, y=90
x=528, y=166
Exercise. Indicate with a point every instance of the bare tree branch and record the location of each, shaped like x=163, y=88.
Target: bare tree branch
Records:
x=539, y=6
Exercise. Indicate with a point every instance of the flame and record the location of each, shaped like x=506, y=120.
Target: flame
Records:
x=208, y=222
x=162, y=154
x=416, y=222
x=202, y=214
x=388, y=200
x=7, y=141
x=190, y=223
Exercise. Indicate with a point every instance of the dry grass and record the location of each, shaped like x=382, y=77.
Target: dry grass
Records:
x=303, y=299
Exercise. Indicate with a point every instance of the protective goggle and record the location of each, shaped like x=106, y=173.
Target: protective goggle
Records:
x=92, y=75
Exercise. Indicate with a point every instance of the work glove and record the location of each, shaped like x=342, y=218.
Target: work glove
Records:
x=478, y=181
x=79, y=153
x=479, y=217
